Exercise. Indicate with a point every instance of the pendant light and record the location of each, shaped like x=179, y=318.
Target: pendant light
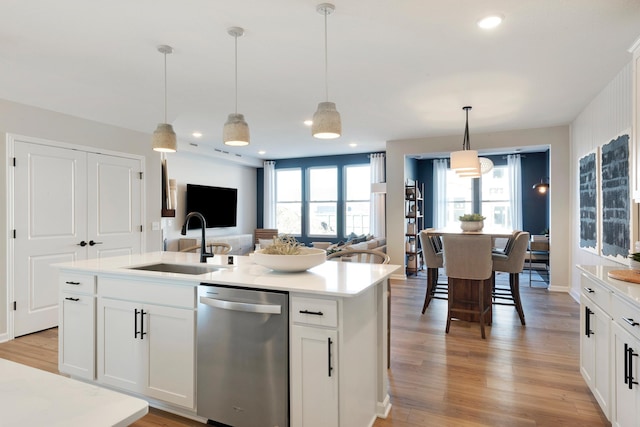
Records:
x=164, y=138
x=486, y=165
x=465, y=162
x=236, y=129
x=541, y=187
x=326, y=120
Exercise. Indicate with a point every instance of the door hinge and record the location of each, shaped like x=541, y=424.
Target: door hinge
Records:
x=14, y=162
x=15, y=305
x=14, y=233
x=141, y=174
x=141, y=229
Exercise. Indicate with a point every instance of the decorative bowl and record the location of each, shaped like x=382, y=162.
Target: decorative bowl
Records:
x=472, y=225
x=309, y=258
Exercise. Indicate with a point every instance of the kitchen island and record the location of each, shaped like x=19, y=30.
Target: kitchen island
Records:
x=134, y=329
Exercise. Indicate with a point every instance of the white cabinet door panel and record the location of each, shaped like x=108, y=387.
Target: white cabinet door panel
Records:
x=76, y=350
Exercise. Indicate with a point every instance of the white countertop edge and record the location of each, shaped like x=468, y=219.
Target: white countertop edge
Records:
x=629, y=292
x=329, y=278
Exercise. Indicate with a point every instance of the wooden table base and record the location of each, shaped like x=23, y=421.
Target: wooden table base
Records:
x=464, y=295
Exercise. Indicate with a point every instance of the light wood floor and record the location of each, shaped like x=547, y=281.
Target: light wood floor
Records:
x=518, y=376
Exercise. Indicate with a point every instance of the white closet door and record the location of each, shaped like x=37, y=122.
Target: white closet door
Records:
x=114, y=206
x=50, y=217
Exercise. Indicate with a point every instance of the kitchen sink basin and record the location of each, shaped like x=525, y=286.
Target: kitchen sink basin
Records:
x=177, y=268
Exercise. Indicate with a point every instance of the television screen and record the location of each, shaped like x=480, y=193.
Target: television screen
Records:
x=218, y=205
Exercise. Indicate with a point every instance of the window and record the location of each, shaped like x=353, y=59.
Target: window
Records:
x=289, y=201
x=459, y=197
x=323, y=201
x=358, y=199
x=496, y=204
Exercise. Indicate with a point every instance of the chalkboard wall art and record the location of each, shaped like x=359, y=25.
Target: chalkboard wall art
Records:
x=616, y=198
x=589, y=202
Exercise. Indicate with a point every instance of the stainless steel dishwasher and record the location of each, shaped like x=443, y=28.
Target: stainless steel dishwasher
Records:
x=243, y=356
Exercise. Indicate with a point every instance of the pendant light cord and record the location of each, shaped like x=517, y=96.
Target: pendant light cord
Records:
x=165, y=87
x=326, y=59
x=236, y=46
x=466, y=143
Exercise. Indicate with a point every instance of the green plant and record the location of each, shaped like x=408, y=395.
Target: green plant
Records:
x=635, y=256
x=471, y=217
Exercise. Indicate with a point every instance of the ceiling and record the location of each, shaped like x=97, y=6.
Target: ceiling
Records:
x=397, y=69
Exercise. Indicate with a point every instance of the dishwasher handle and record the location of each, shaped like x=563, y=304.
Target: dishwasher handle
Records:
x=241, y=306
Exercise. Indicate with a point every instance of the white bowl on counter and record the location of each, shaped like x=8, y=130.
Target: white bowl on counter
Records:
x=308, y=258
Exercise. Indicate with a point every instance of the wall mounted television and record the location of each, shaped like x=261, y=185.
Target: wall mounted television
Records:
x=218, y=205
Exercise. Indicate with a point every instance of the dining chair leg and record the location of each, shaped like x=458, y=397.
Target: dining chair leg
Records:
x=481, y=304
x=432, y=281
x=514, y=283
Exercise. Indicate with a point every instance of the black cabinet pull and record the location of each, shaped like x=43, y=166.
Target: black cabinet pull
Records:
x=72, y=283
x=329, y=342
x=142, y=332
x=135, y=323
x=315, y=313
x=587, y=321
x=91, y=243
x=630, y=321
x=589, y=290
x=628, y=366
x=72, y=299
x=82, y=243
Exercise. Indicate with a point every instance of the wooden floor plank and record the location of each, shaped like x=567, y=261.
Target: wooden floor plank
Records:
x=519, y=376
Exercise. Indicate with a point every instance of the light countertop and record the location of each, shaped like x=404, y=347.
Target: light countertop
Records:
x=626, y=290
x=32, y=397
x=330, y=278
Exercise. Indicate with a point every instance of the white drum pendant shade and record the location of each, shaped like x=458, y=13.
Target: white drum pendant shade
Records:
x=326, y=122
x=235, y=131
x=464, y=160
x=164, y=138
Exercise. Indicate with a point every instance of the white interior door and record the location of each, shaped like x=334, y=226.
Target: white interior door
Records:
x=114, y=211
x=68, y=205
x=50, y=219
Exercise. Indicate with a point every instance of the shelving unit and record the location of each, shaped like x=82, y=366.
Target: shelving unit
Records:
x=414, y=223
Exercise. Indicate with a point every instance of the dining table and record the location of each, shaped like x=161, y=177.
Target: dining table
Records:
x=468, y=290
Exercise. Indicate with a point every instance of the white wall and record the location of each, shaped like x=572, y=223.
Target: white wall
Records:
x=607, y=116
x=192, y=168
x=556, y=138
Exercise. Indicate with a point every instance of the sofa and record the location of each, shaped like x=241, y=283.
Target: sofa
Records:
x=363, y=242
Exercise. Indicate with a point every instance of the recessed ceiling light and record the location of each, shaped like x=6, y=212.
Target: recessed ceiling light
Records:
x=308, y=122
x=353, y=144
x=262, y=152
x=489, y=22
x=197, y=134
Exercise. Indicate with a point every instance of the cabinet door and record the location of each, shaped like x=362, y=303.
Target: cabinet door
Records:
x=626, y=396
x=120, y=350
x=170, y=354
x=594, y=353
x=76, y=352
x=314, y=377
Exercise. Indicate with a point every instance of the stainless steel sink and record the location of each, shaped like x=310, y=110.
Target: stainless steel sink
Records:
x=177, y=268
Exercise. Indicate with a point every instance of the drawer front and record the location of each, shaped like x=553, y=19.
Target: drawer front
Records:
x=314, y=311
x=627, y=316
x=78, y=283
x=147, y=292
x=596, y=293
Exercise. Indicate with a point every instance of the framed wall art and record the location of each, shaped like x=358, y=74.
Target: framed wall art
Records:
x=589, y=201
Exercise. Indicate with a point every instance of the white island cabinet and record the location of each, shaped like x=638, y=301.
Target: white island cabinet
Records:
x=610, y=344
x=145, y=333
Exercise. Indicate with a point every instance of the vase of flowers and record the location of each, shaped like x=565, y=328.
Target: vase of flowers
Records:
x=634, y=260
x=471, y=222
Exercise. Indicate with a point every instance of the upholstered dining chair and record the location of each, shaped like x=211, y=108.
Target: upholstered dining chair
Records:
x=467, y=263
x=219, y=248
x=432, y=256
x=368, y=256
x=511, y=262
